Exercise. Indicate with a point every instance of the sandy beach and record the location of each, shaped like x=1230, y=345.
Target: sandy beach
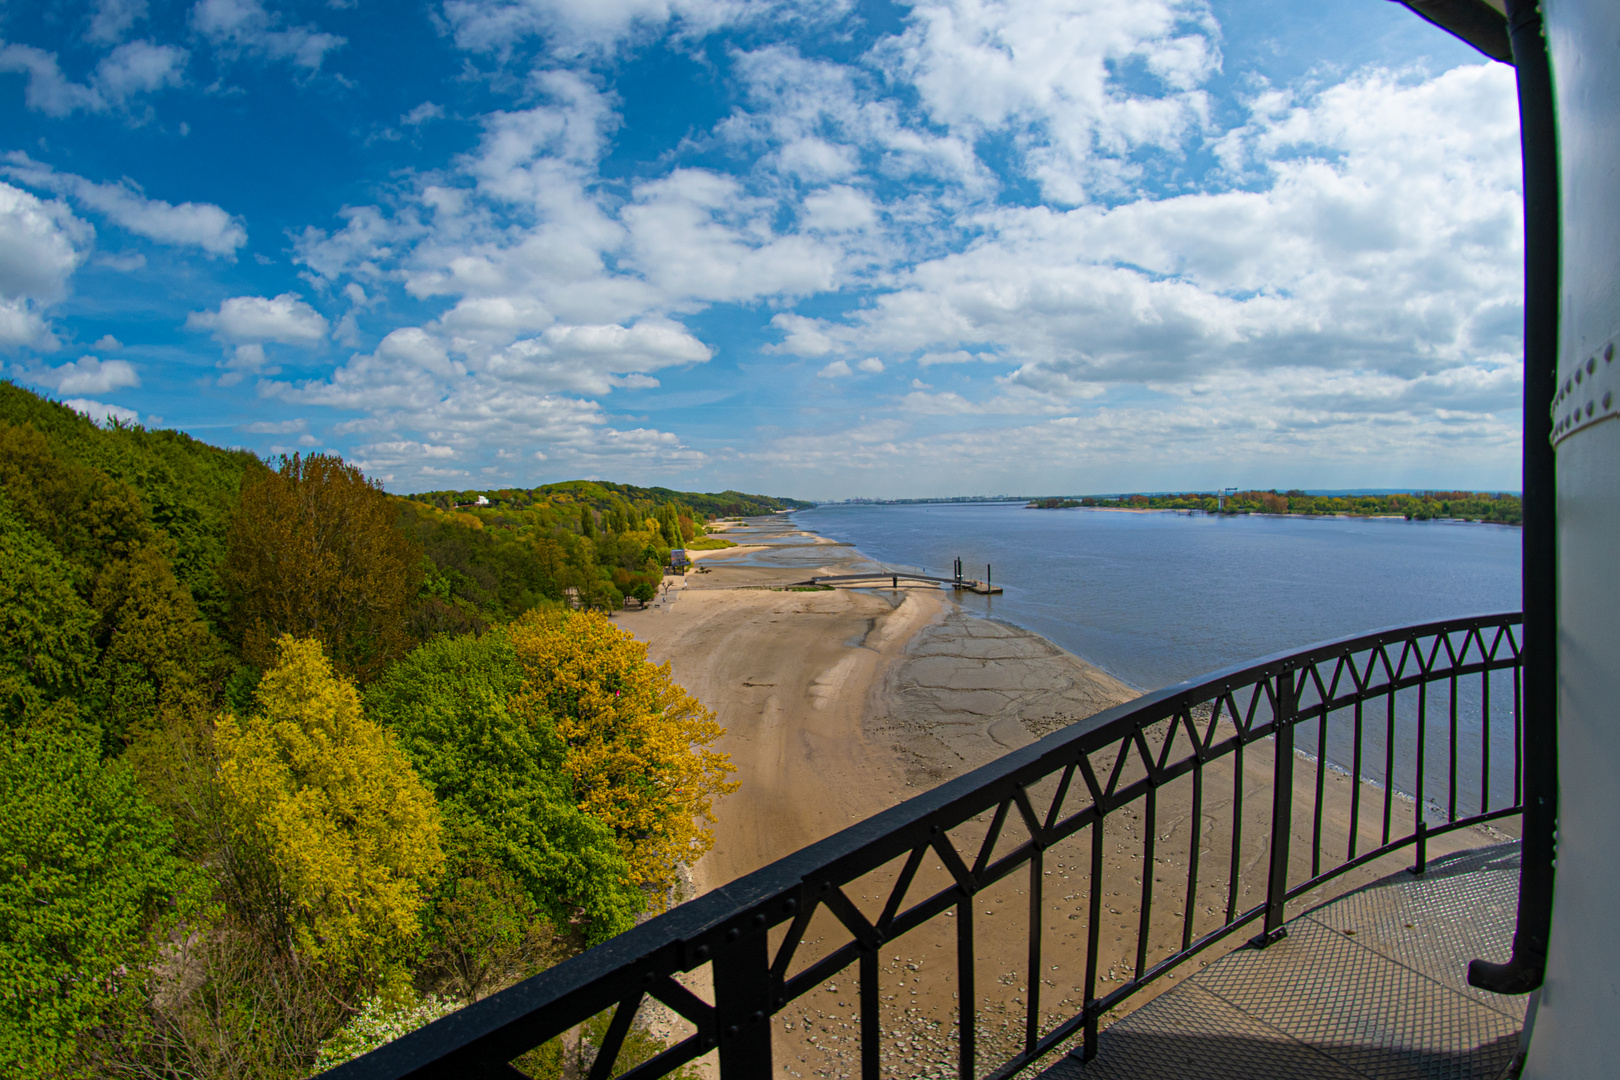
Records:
x=839, y=704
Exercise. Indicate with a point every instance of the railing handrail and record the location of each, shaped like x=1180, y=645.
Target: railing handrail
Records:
x=488, y=1033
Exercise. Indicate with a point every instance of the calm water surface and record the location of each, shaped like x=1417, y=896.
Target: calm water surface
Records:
x=1156, y=598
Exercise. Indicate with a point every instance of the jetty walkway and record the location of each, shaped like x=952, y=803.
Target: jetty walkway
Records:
x=894, y=578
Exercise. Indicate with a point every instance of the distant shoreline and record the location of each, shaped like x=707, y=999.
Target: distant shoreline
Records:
x=1267, y=514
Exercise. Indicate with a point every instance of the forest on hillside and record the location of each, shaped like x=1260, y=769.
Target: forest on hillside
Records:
x=292, y=765
x=1499, y=507
x=495, y=553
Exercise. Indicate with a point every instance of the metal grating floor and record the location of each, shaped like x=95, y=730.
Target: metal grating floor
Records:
x=1371, y=985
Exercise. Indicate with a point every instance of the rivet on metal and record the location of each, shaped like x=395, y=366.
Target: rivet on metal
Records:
x=733, y=934
x=1591, y=365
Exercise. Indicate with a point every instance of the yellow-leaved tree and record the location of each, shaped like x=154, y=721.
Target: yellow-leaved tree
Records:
x=334, y=840
x=636, y=743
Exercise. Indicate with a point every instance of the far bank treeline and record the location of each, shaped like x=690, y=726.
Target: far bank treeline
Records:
x=1499, y=507
x=289, y=765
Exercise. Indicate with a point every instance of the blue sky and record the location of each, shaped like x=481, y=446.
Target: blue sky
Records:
x=826, y=248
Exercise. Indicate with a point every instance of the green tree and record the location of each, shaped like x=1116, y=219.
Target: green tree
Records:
x=334, y=841
x=46, y=649
x=313, y=552
x=500, y=780
x=86, y=875
x=159, y=665
x=87, y=516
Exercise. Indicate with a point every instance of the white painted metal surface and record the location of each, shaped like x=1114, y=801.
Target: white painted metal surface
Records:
x=1577, y=1025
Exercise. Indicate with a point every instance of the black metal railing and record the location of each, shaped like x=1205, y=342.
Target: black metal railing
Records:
x=1369, y=745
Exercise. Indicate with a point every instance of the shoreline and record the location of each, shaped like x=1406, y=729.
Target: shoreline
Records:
x=1336, y=515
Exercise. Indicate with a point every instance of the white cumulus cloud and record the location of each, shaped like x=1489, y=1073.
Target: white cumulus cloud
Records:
x=255, y=320
x=41, y=244
x=89, y=375
x=189, y=224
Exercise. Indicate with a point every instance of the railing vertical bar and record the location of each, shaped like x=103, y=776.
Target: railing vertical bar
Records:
x=1389, y=765
x=1518, y=733
x=1093, y=940
x=1422, y=752
x=742, y=993
x=1145, y=923
x=1197, y=820
x=1037, y=919
x=1451, y=793
x=871, y=1017
x=1355, y=784
x=1484, y=741
x=965, y=1019
x=1282, y=808
x=1420, y=825
x=1236, y=869
x=1321, y=780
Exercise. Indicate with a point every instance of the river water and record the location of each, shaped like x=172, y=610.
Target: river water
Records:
x=1155, y=598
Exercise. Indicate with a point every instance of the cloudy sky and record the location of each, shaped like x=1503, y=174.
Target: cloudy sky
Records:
x=824, y=248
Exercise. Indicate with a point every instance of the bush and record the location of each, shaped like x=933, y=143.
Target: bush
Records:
x=380, y=1021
